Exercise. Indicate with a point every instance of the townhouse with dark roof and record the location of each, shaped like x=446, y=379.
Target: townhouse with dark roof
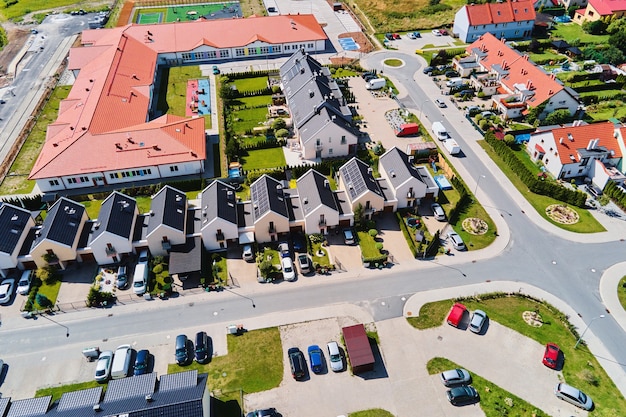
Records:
x=319, y=111
x=15, y=223
x=580, y=150
x=520, y=81
x=112, y=233
x=356, y=178
x=219, y=216
x=409, y=184
x=56, y=240
x=109, y=131
x=505, y=19
x=270, y=211
x=166, y=221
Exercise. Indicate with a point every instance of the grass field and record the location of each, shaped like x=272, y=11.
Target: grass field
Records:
x=251, y=84
x=408, y=15
x=607, y=109
x=174, y=85
x=51, y=291
x=23, y=7
x=572, y=31
x=185, y=12
x=16, y=182
x=621, y=292
x=251, y=101
x=374, y=412
x=57, y=392
x=248, y=119
x=263, y=159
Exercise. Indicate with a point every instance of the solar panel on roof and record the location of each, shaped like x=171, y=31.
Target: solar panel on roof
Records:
x=80, y=399
x=178, y=380
x=30, y=407
x=139, y=385
x=260, y=197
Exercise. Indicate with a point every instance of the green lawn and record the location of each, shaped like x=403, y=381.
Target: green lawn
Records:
x=581, y=367
x=607, y=109
x=263, y=158
x=92, y=207
x=16, y=182
x=547, y=56
x=254, y=363
x=320, y=260
x=23, y=7
x=253, y=140
x=247, y=119
x=374, y=412
x=174, y=84
x=407, y=15
x=368, y=245
x=251, y=84
x=253, y=101
x=51, y=291
x=621, y=292
x=571, y=31
x=493, y=399
x=343, y=72
x=586, y=224
x=57, y=392
x=392, y=62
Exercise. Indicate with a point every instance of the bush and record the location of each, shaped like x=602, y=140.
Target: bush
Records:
x=157, y=269
x=279, y=124
x=316, y=238
x=379, y=246
x=373, y=232
x=43, y=301
x=282, y=133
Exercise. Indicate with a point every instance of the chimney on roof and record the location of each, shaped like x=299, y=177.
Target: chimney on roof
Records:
x=135, y=76
x=149, y=33
x=561, y=140
x=591, y=144
x=570, y=137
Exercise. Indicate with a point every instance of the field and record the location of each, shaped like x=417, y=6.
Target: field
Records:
x=23, y=7
x=571, y=31
x=186, y=13
x=263, y=159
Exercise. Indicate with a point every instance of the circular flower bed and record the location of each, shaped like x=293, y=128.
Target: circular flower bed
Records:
x=562, y=214
x=393, y=62
x=532, y=318
x=475, y=226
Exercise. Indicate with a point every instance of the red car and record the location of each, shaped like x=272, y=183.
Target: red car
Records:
x=456, y=314
x=443, y=32
x=551, y=356
x=396, y=36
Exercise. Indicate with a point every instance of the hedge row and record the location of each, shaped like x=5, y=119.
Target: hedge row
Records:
x=249, y=74
x=265, y=144
x=585, y=76
x=616, y=194
x=597, y=87
x=548, y=188
x=326, y=167
x=464, y=200
x=250, y=93
x=595, y=98
x=407, y=234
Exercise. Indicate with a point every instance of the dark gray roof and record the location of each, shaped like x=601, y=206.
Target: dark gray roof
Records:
x=324, y=117
x=85, y=234
x=178, y=381
x=13, y=221
x=398, y=167
x=29, y=241
x=268, y=195
x=426, y=177
x=219, y=200
x=169, y=207
x=358, y=179
x=116, y=216
x=62, y=223
x=141, y=227
x=4, y=405
x=314, y=190
x=187, y=257
x=245, y=217
x=30, y=407
x=121, y=389
x=78, y=403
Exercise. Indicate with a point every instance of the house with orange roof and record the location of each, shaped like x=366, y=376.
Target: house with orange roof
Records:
x=518, y=77
x=600, y=9
x=108, y=130
x=507, y=19
x=579, y=150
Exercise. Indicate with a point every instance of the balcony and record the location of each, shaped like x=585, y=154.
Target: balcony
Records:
x=166, y=245
x=322, y=222
x=219, y=236
x=319, y=146
x=410, y=195
x=271, y=229
x=110, y=251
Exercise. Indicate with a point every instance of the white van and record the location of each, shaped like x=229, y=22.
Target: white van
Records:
x=140, y=279
x=440, y=131
x=455, y=82
x=121, y=362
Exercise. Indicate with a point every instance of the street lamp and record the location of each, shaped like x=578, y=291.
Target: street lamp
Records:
x=477, y=183
x=67, y=329
x=601, y=316
x=422, y=107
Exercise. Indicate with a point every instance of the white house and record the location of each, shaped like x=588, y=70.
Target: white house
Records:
x=167, y=221
x=218, y=215
x=15, y=223
x=270, y=211
x=356, y=178
x=319, y=203
x=505, y=19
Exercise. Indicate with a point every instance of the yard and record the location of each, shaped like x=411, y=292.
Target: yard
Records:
x=606, y=110
x=368, y=245
x=253, y=101
x=174, y=83
x=570, y=31
x=263, y=159
x=246, y=120
x=251, y=84
x=16, y=182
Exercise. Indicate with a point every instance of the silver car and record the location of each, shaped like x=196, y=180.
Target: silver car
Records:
x=573, y=396
x=455, y=239
x=454, y=377
x=103, y=366
x=6, y=290
x=334, y=356
x=438, y=212
x=478, y=320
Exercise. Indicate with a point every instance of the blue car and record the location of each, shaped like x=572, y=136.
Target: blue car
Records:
x=315, y=357
x=141, y=362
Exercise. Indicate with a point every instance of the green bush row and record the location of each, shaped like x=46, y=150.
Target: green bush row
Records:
x=616, y=194
x=264, y=144
x=551, y=189
x=406, y=233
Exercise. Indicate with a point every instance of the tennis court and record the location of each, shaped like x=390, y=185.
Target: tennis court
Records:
x=185, y=13
x=149, y=18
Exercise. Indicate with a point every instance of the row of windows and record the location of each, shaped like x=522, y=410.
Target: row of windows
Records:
x=77, y=180
x=502, y=25
x=259, y=50
x=203, y=55
x=135, y=173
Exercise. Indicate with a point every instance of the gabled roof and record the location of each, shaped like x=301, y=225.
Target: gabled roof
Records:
x=500, y=12
x=358, y=178
x=573, y=139
x=516, y=71
x=62, y=223
x=13, y=221
x=110, y=100
x=116, y=216
x=314, y=191
x=219, y=200
x=398, y=167
x=169, y=207
x=30, y=407
x=78, y=403
x=608, y=7
x=267, y=194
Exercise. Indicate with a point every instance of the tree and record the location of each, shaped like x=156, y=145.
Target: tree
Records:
x=616, y=26
x=43, y=301
x=509, y=139
x=282, y=133
x=358, y=216
x=266, y=268
x=47, y=274
x=279, y=124
x=558, y=117
x=618, y=39
x=232, y=149
x=597, y=27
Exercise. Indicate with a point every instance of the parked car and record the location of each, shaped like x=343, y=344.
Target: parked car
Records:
x=248, y=253
x=6, y=290
x=181, y=353
x=551, y=355
x=369, y=77
x=304, y=263
x=456, y=314
x=396, y=36
x=140, y=279
x=455, y=239
x=348, y=237
x=488, y=115
x=462, y=395
x=443, y=32
x=451, y=74
x=439, y=102
x=204, y=347
x=334, y=356
x=428, y=70
x=436, y=32
x=593, y=190
x=289, y=274
x=473, y=110
x=478, y=320
x=297, y=363
x=573, y=396
x=315, y=359
x=142, y=362
x=414, y=35
x=121, y=362
x=122, y=278
x=283, y=248
x=103, y=366
x=299, y=242
x=389, y=36
x=466, y=93
x=268, y=412
x=23, y=285
x=143, y=257
x=438, y=212
x=455, y=377
x=216, y=70
x=368, y=73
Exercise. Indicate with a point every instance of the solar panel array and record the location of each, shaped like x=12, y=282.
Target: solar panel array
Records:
x=353, y=179
x=30, y=407
x=178, y=380
x=80, y=399
x=260, y=197
x=140, y=385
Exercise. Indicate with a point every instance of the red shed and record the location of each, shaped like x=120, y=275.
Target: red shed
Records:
x=358, y=348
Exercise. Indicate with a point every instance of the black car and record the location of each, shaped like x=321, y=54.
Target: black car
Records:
x=463, y=394
x=389, y=36
x=428, y=70
x=299, y=242
x=297, y=362
x=268, y=412
x=204, y=347
x=368, y=73
x=142, y=362
x=451, y=74
x=182, y=353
